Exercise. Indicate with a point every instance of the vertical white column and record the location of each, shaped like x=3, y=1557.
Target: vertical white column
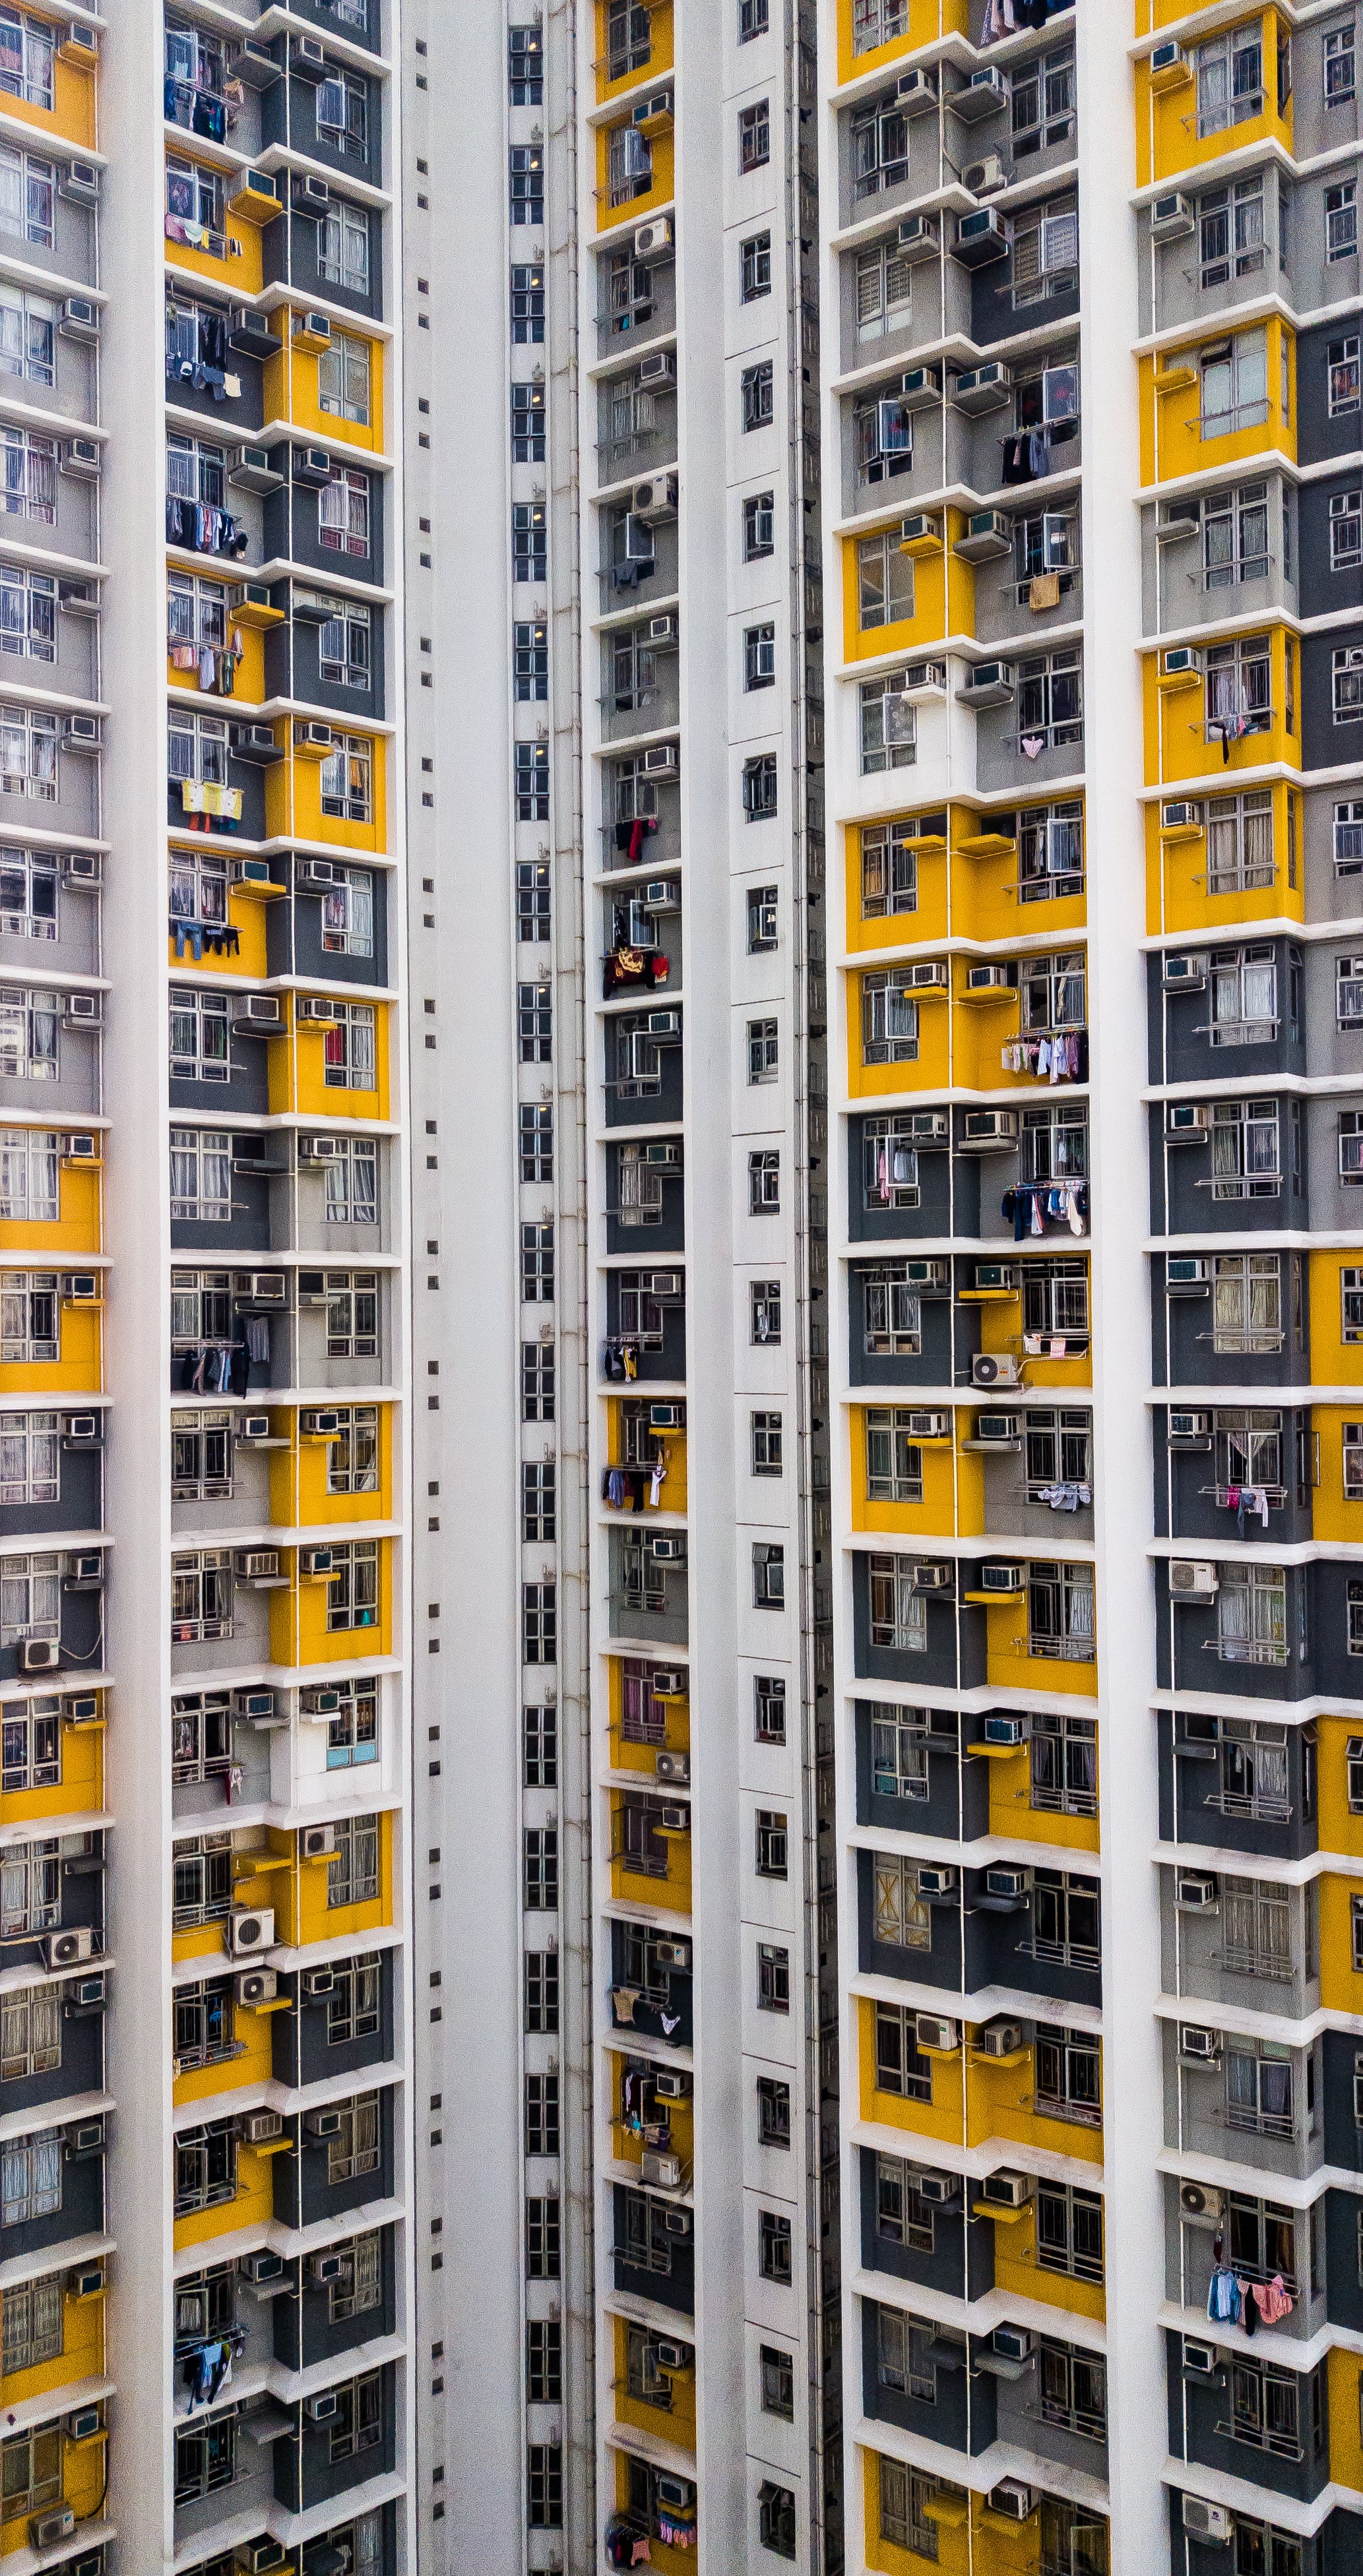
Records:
x=137, y=1316
x=1128, y=1767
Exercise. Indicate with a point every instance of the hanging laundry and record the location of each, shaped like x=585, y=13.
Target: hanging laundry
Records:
x=257, y=1330
x=1273, y=2300
x=624, y=1999
x=655, y=1482
x=1224, y=2297
x=1032, y=745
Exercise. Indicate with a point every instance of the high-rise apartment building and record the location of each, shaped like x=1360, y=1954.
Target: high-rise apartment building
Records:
x=681, y=1877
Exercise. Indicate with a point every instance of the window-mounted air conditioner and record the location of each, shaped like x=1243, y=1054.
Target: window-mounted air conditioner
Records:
x=313, y=737
x=988, y=537
x=79, y=319
x=996, y=1431
x=1010, y=1732
x=264, y=2265
x=1012, y=2501
x=256, y=1564
x=989, y=684
x=308, y=194
x=321, y=1149
x=916, y=237
x=324, y=2408
x=81, y=733
x=79, y=181
x=915, y=92
x=327, y=2267
x=1184, y=970
x=983, y=389
x=1169, y=67
x=312, y=466
x=318, y=1982
x=659, y=631
x=256, y=743
x=1013, y=2343
x=658, y=369
x=1190, y=1581
x=666, y=1682
x=673, y=2084
x=996, y=1278
x=920, y=388
x=80, y=459
x=260, y=2128
x=1006, y=2189
x=324, y=2123
x=1190, y=1430
x=932, y=975
x=82, y=868
x=933, y=1574
x=80, y=1149
x=1181, y=661
x=1200, y=2360
x=1187, y=1275
x=1007, y=1885
x=939, y=2190
x=1172, y=217
x=929, y=1426
x=1003, y=1577
x=83, y=1571
x=307, y=58
x=661, y=760
x=984, y=94
x=251, y=471
x=1186, y=1122
x=988, y=1131
x=1196, y=1891
x=315, y=1563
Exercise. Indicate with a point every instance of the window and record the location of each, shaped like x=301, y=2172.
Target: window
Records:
x=894, y=1464
x=759, y=788
x=343, y=247
x=759, y=657
x=26, y=57
x=754, y=136
x=1045, y=250
x=201, y=1456
x=1246, y=1153
x=770, y=1857
x=1251, y=1615
x=29, y=1185
x=776, y=2519
x=28, y=476
x=1235, y=537
x=29, y=1317
x=200, y=1036
x=33, y=2324
x=1055, y=1143
x=32, y=2461
x=880, y=148
x=905, y=2496
x=537, y=1265
x=201, y=1882
x=889, y=1178
x=766, y=1443
x=629, y=292
x=350, y=1182
x=1234, y=385
x=1064, y=1765
x=343, y=512
x=900, y=2066
x=1346, y=531
x=1341, y=359
x=899, y=1751
x=1050, y=700
x=1230, y=79
x=30, y=1880
x=353, y=1585
x=205, y=2166
x=203, y=2017
x=532, y=894
x=877, y=22
x=1067, y=2067
x=1065, y=1920
x=543, y=2361
x=347, y=776
x=769, y=1708
x=355, y=2147
x=1341, y=221
x=200, y=1176
x=884, y=580
x=762, y=919
x=541, y=2115
x=31, y=2179
x=528, y=416
x=764, y=1183
x=541, y=1990
x=752, y=19
x=527, y=306
x=889, y=1017
x=1347, y=671
x=1240, y=843
x=763, y=1050
x=764, y=1299
x=348, y=915
x=544, y=2486
x=28, y=614
x=758, y=394
x=360, y=2287
x=538, y=1483
x=28, y=328
x=903, y=1920
x=883, y=284
x=343, y=378
x=888, y=728
x=773, y=1977
x=773, y=2112
x=28, y=753
x=774, y=2247
x=1246, y=1302
x=759, y=526
x=539, y=1623
x=198, y=884
x=1257, y=1930
x=899, y=1612
x=354, y=2003
x=1338, y=67
x=541, y=1870
x=343, y=111
x=30, y=1463
x=1049, y=401
x=629, y=38
x=30, y=1732
x=904, y=2357
x=1042, y=102
x=768, y=1576
x=1259, y=2087
x=30, y=2044
x=525, y=65
x=542, y=2240
x=1073, y=2386
x=29, y=1022
x=344, y=645
x=537, y=1142
x=755, y=267
x=1069, y=2231
x=1273, y=2410
x=529, y=541
x=1231, y=232
x=358, y=2424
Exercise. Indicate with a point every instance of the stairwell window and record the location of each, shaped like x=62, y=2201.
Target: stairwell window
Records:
x=764, y=1183
x=1251, y=1615
x=1347, y=684
x=29, y=1325
x=343, y=378
x=347, y=779
x=768, y=1575
x=30, y=1176
x=1230, y=79
x=899, y=1613
x=889, y=1018
x=1060, y=1612
x=883, y=290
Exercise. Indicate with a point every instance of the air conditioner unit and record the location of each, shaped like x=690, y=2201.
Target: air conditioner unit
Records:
x=933, y=2031
x=251, y=471
x=1183, y=970
x=80, y=1708
x=248, y=1932
x=251, y=335
x=915, y=92
x=319, y=1703
x=1186, y=1122
x=318, y=1982
x=670, y=2355
x=1013, y=2343
x=1200, y=2205
x=88, y=2283
x=313, y=738
x=1002, y=1577
x=1208, y=2522
x=324, y=2408
x=82, y=1010
x=1202, y=2047
x=256, y=743
x=259, y=2128
x=46, y=2529
x=920, y=388
x=1190, y=1430
x=667, y=1417
x=80, y=733
x=991, y=1368
x=661, y=760
x=999, y=2039
x=658, y=369
x=916, y=237
x=83, y=868
x=651, y=240
x=312, y=466
x=1196, y=1891
x=79, y=319
x=1013, y=2501
x=1009, y=1732
x=983, y=389
x=989, y=1131
x=652, y=114
x=668, y=1683
x=996, y=1431
x=930, y=1127
x=937, y=2189
x=258, y=1986
x=314, y=1562
x=263, y=2265
x=933, y=1574
x=252, y=874
x=315, y=1423
x=673, y=1766
x=260, y=2557
x=1180, y=661
x=83, y=1571
x=1169, y=67
x=984, y=94
x=1006, y=2189
x=79, y=180
x=661, y=630
x=929, y=1426
x=254, y=1704
x=80, y=459
x=1193, y=1582
x=309, y=194
x=81, y=1431
x=1187, y=1275
x=69, y=1949
x=988, y=536
x=1007, y=1884
x=673, y=2084
x=1200, y=2360
x=316, y=1842
x=662, y=2169
x=308, y=58
x=1172, y=217
x=989, y=684
x=673, y=1954
x=321, y=1149
x=673, y=1819
x=39, y=1654
x=322, y=2268
x=256, y=1564
x=324, y=2123
x=314, y=876
x=1177, y=521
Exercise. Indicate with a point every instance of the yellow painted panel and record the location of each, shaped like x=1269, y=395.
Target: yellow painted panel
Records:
x=78, y=1371
x=298, y=1073
x=1333, y=1515
x=672, y=1450
x=928, y=22
x=1009, y=1666
x=1166, y=119
x=294, y=371
x=1176, y=746
x=80, y=1790
x=675, y=2423
x=918, y=633
x=1333, y=1360
x=1341, y=1985
x=293, y=801
x=935, y=1516
x=1344, y=2385
x=81, y=2355
x=929, y=1070
x=659, y=54
x=200, y=1941
x=248, y=689
x=78, y=1227
x=676, y=2562
x=943, y=2118
x=1000, y=2107
x=930, y=918
x=254, y=2066
x=1171, y=428
x=629, y=1756
x=1177, y=898
x=635, y=210
x=1016, y=2269
x=1340, y=1830
x=253, y=2205
x=241, y=269
x=298, y=1619
x=71, y=117
x=639, y=1887
x=951, y=2556
x=298, y=1479
x=1012, y=1813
